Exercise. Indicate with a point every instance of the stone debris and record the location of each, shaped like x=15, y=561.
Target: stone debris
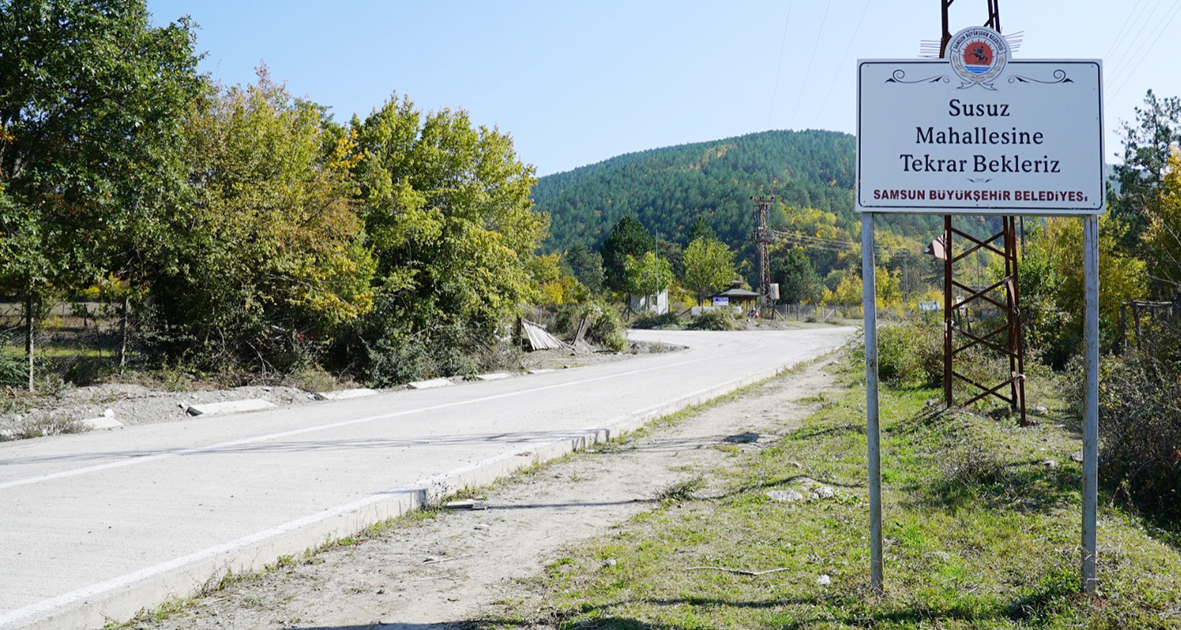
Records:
x=106, y=420
x=346, y=394
x=784, y=496
x=229, y=406
x=431, y=384
x=823, y=492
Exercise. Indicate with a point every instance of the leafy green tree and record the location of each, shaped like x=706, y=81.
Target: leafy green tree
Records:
x=91, y=99
x=449, y=218
x=647, y=276
x=798, y=281
x=627, y=238
x=269, y=253
x=1052, y=280
x=1147, y=146
x=709, y=267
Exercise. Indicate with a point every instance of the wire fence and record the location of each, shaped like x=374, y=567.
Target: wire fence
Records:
x=73, y=342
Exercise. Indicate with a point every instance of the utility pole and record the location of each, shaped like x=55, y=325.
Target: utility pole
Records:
x=761, y=237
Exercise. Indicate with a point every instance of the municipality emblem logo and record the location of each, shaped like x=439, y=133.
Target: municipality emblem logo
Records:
x=978, y=56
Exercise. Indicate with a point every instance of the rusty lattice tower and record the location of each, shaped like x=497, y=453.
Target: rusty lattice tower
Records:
x=1004, y=295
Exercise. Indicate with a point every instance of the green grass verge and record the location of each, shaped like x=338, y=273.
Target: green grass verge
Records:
x=981, y=523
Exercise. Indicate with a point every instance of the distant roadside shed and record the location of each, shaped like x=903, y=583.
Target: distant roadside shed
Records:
x=738, y=296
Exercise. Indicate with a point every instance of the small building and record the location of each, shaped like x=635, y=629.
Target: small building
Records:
x=741, y=299
x=651, y=304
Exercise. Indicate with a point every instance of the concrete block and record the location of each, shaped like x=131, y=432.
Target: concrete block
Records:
x=232, y=406
x=542, y=371
x=434, y=382
x=346, y=394
x=105, y=421
x=493, y=376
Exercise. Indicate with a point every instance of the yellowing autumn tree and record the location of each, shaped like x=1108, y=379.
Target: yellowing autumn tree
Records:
x=269, y=252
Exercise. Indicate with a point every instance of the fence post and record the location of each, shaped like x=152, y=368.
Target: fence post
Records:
x=30, y=333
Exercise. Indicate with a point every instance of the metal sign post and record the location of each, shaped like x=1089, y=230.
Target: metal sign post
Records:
x=869, y=290
x=1091, y=414
x=981, y=134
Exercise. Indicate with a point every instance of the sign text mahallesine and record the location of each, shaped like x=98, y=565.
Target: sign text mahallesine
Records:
x=1028, y=141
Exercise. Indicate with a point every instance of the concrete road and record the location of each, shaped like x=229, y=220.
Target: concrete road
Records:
x=95, y=526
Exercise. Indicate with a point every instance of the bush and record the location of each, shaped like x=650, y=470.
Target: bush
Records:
x=399, y=357
x=910, y=353
x=1140, y=426
x=667, y=320
x=604, y=325
x=717, y=319
x=13, y=370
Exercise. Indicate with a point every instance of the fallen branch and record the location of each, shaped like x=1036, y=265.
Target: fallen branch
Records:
x=442, y=560
x=738, y=571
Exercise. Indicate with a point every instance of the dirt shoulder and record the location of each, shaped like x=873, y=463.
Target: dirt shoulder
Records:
x=457, y=568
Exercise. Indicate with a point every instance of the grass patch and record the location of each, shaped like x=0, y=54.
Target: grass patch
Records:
x=981, y=523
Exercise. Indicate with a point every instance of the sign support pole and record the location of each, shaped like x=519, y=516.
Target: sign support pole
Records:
x=869, y=290
x=1091, y=413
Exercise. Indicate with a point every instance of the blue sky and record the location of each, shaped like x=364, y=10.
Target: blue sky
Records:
x=578, y=82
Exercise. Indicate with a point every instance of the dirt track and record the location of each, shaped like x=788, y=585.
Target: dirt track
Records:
x=447, y=569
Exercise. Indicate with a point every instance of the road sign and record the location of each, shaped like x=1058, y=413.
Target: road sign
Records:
x=1022, y=137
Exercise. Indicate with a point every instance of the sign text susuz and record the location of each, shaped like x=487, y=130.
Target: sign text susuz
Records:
x=1028, y=142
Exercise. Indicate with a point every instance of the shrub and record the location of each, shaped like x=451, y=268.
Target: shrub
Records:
x=667, y=320
x=910, y=353
x=604, y=325
x=1140, y=426
x=717, y=319
x=13, y=370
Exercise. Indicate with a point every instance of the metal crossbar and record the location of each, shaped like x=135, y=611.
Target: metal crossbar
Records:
x=1012, y=347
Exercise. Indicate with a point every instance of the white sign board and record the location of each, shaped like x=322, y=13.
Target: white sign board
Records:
x=1029, y=140
x=721, y=301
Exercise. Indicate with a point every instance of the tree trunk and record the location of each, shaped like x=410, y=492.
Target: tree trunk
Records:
x=30, y=333
x=123, y=332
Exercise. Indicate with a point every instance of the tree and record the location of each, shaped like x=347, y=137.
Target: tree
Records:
x=1147, y=146
x=1052, y=280
x=91, y=99
x=648, y=275
x=1163, y=234
x=709, y=267
x=627, y=238
x=449, y=218
x=586, y=265
x=269, y=252
x=798, y=281
x=701, y=230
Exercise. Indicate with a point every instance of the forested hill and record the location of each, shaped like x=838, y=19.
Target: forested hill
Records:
x=666, y=189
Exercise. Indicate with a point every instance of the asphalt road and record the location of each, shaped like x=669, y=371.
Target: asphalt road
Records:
x=96, y=526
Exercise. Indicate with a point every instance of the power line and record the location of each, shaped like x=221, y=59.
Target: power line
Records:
x=808, y=73
x=842, y=64
x=1120, y=35
x=782, y=45
x=1164, y=29
x=1123, y=62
